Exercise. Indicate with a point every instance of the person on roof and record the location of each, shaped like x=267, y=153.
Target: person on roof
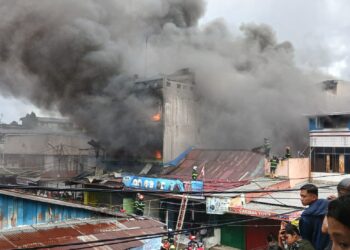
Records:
x=194, y=173
x=273, y=165
x=139, y=204
x=288, y=154
x=267, y=147
x=311, y=220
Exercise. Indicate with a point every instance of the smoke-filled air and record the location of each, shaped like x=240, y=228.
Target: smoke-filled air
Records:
x=80, y=57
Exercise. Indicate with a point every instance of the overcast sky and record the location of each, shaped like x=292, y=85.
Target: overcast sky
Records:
x=318, y=29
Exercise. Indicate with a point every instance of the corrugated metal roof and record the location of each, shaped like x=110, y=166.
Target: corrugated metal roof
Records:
x=292, y=198
x=221, y=165
x=81, y=232
x=280, y=203
x=260, y=183
x=26, y=196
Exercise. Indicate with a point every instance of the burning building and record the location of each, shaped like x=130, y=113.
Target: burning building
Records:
x=173, y=125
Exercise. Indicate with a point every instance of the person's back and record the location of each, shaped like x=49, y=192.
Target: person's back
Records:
x=311, y=220
x=272, y=243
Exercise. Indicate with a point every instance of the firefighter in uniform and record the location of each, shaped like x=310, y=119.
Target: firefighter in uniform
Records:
x=139, y=204
x=194, y=173
x=288, y=154
x=273, y=166
x=267, y=147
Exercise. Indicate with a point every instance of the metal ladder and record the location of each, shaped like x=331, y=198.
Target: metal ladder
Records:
x=182, y=212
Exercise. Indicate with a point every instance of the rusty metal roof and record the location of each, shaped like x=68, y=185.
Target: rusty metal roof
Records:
x=221, y=166
x=77, y=232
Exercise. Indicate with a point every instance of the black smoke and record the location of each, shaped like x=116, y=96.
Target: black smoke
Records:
x=80, y=57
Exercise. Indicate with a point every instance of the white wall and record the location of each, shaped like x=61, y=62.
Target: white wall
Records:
x=331, y=178
x=180, y=117
x=330, y=141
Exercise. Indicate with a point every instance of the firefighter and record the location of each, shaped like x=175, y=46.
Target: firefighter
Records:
x=273, y=166
x=194, y=173
x=165, y=245
x=267, y=147
x=192, y=244
x=139, y=204
x=287, y=155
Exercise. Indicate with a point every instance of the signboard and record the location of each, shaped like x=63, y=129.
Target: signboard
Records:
x=269, y=214
x=221, y=205
x=197, y=186
x=149, y=183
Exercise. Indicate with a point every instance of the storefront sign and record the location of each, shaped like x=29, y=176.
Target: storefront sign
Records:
x=265, y=214
x=220, y=205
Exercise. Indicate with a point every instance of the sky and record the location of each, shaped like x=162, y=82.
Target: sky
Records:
x=318, y=30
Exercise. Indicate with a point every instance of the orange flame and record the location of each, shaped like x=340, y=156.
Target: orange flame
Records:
x=158, y=155
x=156, y=117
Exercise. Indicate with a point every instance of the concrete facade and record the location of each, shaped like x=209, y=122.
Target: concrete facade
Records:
x=176, y=112
x=297, y=170
x=44, y=147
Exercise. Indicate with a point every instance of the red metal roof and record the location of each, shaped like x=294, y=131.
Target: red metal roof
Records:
x=224, y=167
x=82, y=232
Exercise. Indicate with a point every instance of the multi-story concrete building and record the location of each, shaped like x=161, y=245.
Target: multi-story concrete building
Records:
x=44, y=144
x=175, y=120
x=330, y=142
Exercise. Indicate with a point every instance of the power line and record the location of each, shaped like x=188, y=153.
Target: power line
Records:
x=138, y=237
x=106, y=190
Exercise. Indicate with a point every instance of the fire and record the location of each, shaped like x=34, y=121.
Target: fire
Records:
x=158, y=155
x=156, y=117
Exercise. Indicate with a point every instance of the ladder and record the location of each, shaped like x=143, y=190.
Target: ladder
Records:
x=182, y=212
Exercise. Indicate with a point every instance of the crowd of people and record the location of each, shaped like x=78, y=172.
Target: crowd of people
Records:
x=323, y=225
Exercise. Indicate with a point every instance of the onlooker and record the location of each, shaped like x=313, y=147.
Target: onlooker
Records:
x=343, y=188
x=310, y=224
x=272, y=243
x=294, y=240
x=339, y=222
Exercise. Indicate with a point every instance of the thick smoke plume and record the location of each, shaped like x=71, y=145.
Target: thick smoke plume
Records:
x=80, y=57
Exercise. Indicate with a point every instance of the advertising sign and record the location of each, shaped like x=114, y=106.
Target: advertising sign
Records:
x=149, y=183
x=221, y=205
x=268, y=214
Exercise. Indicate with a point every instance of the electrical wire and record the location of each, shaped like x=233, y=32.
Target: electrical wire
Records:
x=137, y=237
x=105, y=190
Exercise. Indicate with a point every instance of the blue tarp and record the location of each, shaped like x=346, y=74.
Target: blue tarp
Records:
x=179, y=159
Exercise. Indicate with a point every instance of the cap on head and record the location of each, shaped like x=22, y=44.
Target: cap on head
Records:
x=195, y=167
x=343, y=186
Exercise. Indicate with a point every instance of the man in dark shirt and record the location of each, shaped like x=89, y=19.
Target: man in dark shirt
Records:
x=311, y=219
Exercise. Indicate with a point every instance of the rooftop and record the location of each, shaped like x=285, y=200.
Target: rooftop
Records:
x=283, y=205
x=79, y=232
x=222, y=168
